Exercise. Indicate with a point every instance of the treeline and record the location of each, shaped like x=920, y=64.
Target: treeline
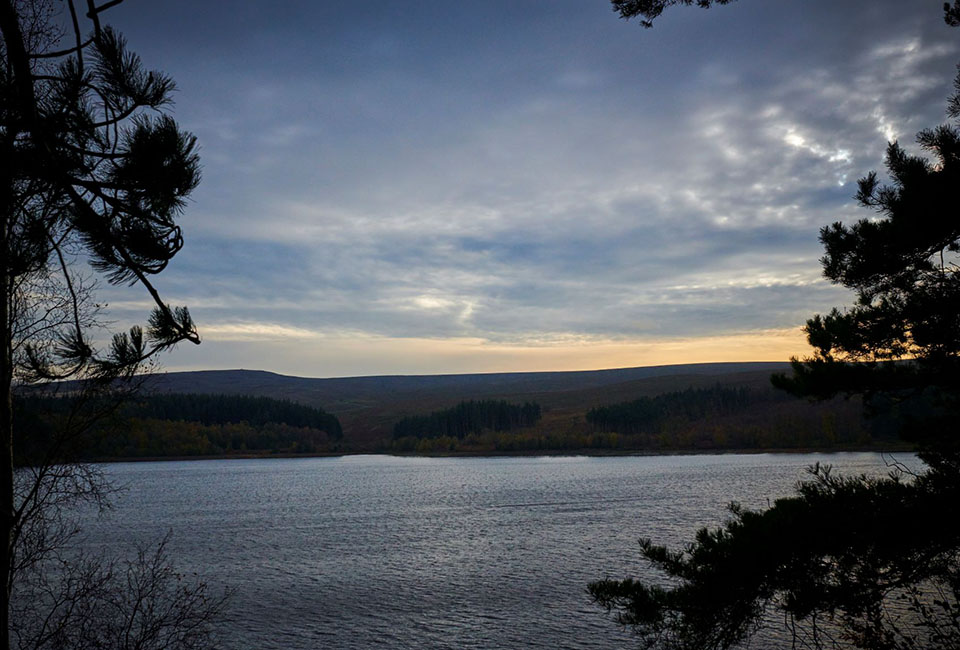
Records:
x=648, y=414
x=148, y=438
x=231, y=409
x=772, y=425
x=469, y=418
x=174, y=424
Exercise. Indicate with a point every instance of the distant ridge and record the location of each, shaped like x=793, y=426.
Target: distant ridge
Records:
x=235, y=381
x=368, y=408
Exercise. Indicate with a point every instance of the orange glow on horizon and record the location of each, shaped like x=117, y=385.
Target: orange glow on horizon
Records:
x=309, y=354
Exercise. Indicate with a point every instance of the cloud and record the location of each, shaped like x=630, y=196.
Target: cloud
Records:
x=500, y=175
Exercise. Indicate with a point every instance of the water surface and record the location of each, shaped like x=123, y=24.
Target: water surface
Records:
x=366, y=551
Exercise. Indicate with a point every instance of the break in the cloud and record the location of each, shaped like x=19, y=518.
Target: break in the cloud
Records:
x=444, y=187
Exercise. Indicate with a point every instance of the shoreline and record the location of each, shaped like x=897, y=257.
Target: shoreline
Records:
x=597, y=453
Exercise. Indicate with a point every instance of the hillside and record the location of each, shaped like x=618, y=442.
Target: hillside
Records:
x=710, y=407
x=360, y=392
x=368, y=406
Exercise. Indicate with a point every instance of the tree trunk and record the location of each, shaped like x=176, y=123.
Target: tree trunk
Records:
x=6, y=427
x=9, y=26
x=6, y=467
x=23, y=91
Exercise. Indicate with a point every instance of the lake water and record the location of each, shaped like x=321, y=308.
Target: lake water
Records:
x=380, y=551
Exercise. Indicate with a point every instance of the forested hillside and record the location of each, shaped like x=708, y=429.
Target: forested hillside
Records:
x=226, y=409
x=722, y=417
x=180, y=424
x=706, y=407
x=648, y=414
x=469, y=417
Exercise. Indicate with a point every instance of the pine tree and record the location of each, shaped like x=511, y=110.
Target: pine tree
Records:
x=877, y=558
x=91, y=167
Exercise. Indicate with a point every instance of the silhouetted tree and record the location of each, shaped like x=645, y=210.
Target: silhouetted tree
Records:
x=90, y=168
x=868, y=563
x=900, y=343
x=648, y=10
x=952, y=13
x=848, y=562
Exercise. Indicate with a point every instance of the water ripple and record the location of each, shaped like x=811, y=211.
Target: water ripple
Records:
x=432, y=553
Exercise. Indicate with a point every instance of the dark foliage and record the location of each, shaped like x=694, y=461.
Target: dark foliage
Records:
x=92, y=169
x=225, y=409
x=648, y=10
x=469, y=417
x=850, y=562
x=836, y=570
x=648, y=413
x=951, y=14
x=174, y=424
x=899, y=345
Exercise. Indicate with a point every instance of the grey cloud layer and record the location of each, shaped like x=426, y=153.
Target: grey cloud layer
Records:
x=490, y=170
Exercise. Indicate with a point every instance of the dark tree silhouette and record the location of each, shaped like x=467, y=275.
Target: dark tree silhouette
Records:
x=850, y=562
x=648, y=10
x=90, y=168
x=900, y=344
x=952, y=13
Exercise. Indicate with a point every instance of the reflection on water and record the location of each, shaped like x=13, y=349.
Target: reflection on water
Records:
x=361, y=551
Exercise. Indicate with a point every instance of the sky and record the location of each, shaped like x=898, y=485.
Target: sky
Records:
x=516, y=185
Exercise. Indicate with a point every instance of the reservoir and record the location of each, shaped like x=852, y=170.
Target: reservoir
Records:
x=404, y=552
